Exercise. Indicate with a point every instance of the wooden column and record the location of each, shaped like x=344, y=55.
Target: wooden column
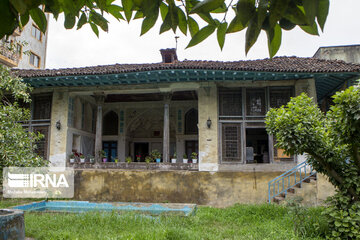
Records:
x=98, y=136
x=166, y=135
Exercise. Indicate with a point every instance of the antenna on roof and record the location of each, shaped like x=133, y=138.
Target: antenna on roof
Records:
x=176, y=41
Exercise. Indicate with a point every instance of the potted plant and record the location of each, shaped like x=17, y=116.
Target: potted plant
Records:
x=91, y=158
x=116, y=160
x=155, y=154
x=82, y=158
x=185, y=158
x=148, y=159
x=102, y=155
x=173, y=159
x=72, y=158
x=138, y=158
x=194, y=156
x=128, y=159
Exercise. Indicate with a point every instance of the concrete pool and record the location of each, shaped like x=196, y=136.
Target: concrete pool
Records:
x=86, y=206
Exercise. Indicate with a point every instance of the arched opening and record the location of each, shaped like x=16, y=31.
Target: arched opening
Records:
x=110, y=123
x=191, y=121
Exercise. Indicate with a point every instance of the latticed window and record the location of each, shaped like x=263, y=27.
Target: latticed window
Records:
x=42, y=107
x=255, y=102
x=231, y=142
x=230, y=103
x=191, y=121
x=280, y=96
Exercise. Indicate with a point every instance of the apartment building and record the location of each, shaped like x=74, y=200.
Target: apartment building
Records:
x=25, y=49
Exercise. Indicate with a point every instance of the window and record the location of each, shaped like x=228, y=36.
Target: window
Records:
x=83, y=116
x=280, y=96
x=191, y=121
x=19, y=49
x=35, y=32
x=230, y=102
x=42, y=107
x=110, y=124
x=93, y=120
x=231, y=142
x=255, y=102
x=34, y=60
x=71, y=112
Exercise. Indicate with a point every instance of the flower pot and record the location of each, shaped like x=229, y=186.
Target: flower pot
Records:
x=185, y=161
x=72, y=160
x=82, y=160
x=194, y=160
x=158, y=160
x=173, y=160
x=92, y=160
x=104, y=159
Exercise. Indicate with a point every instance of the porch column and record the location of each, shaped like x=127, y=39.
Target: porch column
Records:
x=166, y=135
x=98, y=136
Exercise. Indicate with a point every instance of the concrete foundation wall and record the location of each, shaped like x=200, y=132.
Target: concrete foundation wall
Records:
x=218, y=189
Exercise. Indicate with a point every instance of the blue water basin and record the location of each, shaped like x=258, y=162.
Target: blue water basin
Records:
x=85, y=206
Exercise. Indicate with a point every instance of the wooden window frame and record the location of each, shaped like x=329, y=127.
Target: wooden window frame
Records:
x=36, y=29
x=37, y=57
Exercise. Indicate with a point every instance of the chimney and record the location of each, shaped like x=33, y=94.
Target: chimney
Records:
x=168, y=55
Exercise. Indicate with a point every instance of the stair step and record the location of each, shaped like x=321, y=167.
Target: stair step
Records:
x=291, y=190
x=278, y=199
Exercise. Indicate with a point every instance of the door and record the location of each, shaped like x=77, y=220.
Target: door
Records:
x=110, y=148
x=141, y=150
x=190, y=147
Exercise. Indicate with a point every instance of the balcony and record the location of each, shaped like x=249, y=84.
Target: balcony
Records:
x=9, y=57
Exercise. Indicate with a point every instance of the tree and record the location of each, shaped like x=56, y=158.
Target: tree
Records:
x=16, y=144
x=332, y=145
x=271, y=16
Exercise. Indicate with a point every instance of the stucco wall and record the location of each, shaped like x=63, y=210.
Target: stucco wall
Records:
x=219, y=189
x=349, y=54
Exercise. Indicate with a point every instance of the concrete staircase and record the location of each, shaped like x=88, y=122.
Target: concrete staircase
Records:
x=306, y=190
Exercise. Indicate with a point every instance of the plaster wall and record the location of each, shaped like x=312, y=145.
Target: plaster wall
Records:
x=208, y=137
x=350, y=54
x=58, y=138
x=218, y=189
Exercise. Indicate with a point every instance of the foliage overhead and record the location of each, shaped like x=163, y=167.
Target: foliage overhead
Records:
x=271, y=16
x=16, y=144
x=332, y=145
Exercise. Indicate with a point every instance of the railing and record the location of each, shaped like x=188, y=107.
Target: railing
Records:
x=10, y=54
x=295, y=176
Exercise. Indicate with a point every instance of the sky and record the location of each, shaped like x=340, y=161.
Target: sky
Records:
x=123, y=44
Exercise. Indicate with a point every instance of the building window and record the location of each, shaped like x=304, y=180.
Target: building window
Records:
x=280, y=96
x=35, y=32
x=71, y=112
x=191, y=121
x=230, y=101
x=34, y=60
x=93, y=120
x=42, y=107
x=110, y=124
x=19, y=49
x=82, y=116
x=255, y=101
x=231, y=142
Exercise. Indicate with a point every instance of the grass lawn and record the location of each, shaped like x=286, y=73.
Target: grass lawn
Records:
x=236, y=222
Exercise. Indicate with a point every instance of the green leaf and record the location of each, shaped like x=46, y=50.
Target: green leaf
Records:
x=115, y=10
x=193, y=26
x=127, y=5
x=24, y=19
x=262, y=11
x=69, y=21
x=39, y=18
x=221, y=9
x=201, y=35
x=206, y=6
x=221, y=31
x=174, y=17
x=277, y=10
x=19, y=5
x=166, y=25
x=99, y=20
x=7, y=19
x=182, y=21
x=163, y=10
x=322, y=13
x=310, y=8
x=207, y=18
x=82, y=21
x=252, y=33
x=139, y=15
x=245, y=10
x=235, y=25
x=95, y=29
x=313, y=30
x=148, y=23
x=274, y=40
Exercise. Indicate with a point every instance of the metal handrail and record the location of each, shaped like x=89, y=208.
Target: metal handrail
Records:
x=296, y=175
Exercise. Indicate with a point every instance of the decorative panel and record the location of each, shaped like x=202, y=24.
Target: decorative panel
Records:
x=230, y=102
x=231, y=142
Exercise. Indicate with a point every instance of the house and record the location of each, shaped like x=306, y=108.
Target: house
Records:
x=25, y=48
x=215, y=109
